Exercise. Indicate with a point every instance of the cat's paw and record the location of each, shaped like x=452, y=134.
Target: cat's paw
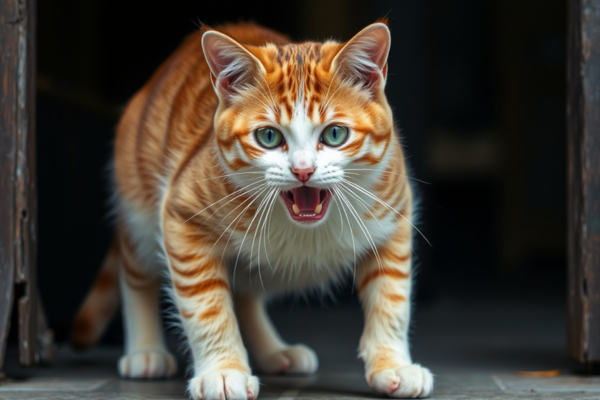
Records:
x=411, y=381
x=297, y=359
x=148, y=364
x=227, y=384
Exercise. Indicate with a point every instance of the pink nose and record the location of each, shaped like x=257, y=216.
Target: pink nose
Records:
x=303, y=174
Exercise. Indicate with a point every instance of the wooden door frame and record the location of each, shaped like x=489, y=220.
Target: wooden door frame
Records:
x=583, y=172
x=18, y=205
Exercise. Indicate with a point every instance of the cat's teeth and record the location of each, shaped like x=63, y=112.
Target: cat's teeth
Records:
x=296, y=209
x=318, y=209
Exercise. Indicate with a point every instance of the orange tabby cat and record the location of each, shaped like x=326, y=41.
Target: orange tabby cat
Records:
x=253, y=165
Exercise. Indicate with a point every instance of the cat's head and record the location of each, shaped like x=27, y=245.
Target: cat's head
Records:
x=301, y=123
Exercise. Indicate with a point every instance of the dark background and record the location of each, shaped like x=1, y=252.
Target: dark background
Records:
x=477, y=88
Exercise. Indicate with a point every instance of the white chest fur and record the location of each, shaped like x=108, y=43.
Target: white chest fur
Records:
x=286, y=256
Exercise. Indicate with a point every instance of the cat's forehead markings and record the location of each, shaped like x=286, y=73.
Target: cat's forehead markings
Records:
x=299, y=53
x=298, y=89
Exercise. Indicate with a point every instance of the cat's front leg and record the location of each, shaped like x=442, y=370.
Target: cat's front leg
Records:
x=384, y=285
x=201, y=291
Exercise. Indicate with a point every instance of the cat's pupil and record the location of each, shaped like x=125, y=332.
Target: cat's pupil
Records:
x=270, y=135
x=334, y=133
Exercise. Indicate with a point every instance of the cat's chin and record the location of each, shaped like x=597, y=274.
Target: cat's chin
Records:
x=306, y=205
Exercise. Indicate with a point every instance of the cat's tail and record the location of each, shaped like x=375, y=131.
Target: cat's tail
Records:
x=100, y=304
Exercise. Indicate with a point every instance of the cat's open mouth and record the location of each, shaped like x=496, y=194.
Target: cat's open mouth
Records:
x=306, y=203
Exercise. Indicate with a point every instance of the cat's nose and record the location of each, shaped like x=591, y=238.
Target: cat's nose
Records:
x=303, y=174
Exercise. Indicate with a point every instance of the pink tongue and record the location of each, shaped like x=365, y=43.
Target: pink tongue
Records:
x=306, y=198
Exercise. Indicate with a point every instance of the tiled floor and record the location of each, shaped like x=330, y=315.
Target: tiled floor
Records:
x=475, y=350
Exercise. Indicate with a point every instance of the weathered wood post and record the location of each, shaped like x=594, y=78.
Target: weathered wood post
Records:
x=18, y=238
x=583, y=189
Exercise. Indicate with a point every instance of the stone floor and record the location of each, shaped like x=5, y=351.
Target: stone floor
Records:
x=475, y=350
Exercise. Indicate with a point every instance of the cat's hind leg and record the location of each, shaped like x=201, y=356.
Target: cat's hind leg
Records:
x=146, y=355
x=270, y=353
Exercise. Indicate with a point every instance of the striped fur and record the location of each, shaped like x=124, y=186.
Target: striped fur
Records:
x=195, y=187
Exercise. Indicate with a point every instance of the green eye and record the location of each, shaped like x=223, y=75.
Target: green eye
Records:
x=334, y=135
x=269, y=137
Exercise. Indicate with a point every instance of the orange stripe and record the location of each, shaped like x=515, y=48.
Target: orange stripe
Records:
x=198, y=145
x=392, y=273
x=395, y=256
x=201, y=287
x=353, y=148
x=186, y=258
x=383, y=360
x=194, y=272
x=186, y=314
x=234, y=365
x=395, y=297
x=210, y=313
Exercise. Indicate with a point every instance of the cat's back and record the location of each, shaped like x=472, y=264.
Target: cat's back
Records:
x=170, y=119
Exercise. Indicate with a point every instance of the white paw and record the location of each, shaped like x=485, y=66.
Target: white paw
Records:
x=297, y=359
x=227, y=384
x=412, y=381
x=148, y=364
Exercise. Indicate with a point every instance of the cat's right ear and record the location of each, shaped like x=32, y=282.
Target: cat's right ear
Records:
x=232, y=67
x=364, y=57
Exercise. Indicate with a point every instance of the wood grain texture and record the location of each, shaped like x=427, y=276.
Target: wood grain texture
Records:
x=583, y=122
x=18, y=238
x=26, y=204
x=8, y=93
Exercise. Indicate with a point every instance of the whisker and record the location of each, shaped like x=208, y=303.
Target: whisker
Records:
x=239, y=193
x=270, y=217
x=238, y=216
x=331, y=98
x=387, y=172
x=364, y=229
x=263, y=230
x=388, y=207
x=261, y=210
x=336, y=190
x=228, y=175
x=329, y=87
x=246, y=234
x=366, y=206
x=341, y=220
x=268, y=89
x=267, y=228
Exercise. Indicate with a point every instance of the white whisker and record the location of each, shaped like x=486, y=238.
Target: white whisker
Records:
x=388, y=207
x=366, y=206
x=238, y=192
x=387, y=172
x=336, y=190
x=362, y=226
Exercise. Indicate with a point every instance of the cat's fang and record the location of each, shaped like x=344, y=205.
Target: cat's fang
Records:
x=306, y=204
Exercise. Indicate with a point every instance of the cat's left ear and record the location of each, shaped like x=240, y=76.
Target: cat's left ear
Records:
x=232, y=67
x=364, y=57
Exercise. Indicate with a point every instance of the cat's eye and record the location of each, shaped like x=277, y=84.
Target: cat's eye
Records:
x=269, y=138
x=334, y=135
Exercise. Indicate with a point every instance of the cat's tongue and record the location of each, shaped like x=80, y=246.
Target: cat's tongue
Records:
x=306, y=198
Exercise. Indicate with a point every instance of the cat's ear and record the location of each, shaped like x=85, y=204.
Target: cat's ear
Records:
x=232, y=67
x=364, y=57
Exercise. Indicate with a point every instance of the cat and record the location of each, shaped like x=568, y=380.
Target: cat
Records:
x=262, y=166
